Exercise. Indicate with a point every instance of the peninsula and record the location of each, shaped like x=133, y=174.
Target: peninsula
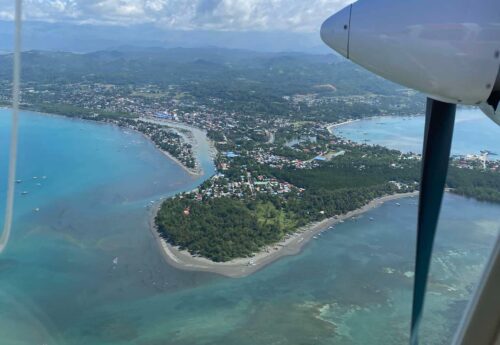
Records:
x=280, y=172
x=291, y=244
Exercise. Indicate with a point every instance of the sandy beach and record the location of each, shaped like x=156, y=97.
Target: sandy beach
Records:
x=242, y=267
x=197, y=170
x=331, y=127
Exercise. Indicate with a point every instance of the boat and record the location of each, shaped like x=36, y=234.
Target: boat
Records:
x=37, y=209
x=398, y=204
x=115, y=261
x=24, y=193
x=371, y=218
x=19, y=181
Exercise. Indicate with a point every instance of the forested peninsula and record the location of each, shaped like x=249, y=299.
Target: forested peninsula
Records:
x=238, y=225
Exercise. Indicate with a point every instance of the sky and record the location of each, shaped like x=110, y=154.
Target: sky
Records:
x=212, y=15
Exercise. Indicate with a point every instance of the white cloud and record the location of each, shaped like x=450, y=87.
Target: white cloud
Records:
x=6, y=15
x=259, y=15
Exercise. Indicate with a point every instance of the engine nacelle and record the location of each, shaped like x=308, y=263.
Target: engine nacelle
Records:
x=447, y=49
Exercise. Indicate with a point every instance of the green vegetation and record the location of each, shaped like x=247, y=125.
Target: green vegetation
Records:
x=301, y=86
x=222, y=229
x=225, y=228
x=166, y=138
x=252, y=104
x=75, y=111
x=480, y=185
x=229, y=227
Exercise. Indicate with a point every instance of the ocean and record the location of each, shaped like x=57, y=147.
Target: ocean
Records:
x=85, y=268
x=474, y=132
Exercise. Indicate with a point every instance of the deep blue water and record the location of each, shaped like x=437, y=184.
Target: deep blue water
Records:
x=473, y=133
x=59, y=285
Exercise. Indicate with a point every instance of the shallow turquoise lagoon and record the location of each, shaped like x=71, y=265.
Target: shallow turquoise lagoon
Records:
x=474, y=132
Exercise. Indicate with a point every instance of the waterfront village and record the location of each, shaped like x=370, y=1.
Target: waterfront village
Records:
x=244, y=142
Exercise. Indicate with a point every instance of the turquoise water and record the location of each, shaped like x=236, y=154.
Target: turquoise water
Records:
x=59, y=285
x=474, y=132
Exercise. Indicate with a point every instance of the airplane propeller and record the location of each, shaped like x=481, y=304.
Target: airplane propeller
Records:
x=446, y=49
x=439, y=123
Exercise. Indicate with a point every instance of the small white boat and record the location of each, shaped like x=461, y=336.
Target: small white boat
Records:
x=371, y=218
x=24, y=193
x=115, y=261
x=398, y=204
x=37, y=209
x=19, y=181
x=35, y=177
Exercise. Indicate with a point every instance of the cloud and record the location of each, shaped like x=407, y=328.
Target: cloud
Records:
x=225, y=15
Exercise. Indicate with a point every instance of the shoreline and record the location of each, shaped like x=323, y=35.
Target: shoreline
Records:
x=242, y=267
x=196, y=172
x=330, y=127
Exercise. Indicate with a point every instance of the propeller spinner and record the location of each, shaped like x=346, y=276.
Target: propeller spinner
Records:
x=447, y=49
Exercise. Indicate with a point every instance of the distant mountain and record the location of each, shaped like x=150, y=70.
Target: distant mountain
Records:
x=210, y=68
x=306, y=86
x=87, y=38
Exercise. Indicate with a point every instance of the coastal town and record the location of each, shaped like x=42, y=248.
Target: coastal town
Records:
x=176, y=143
x=274, y=141
x=279, y=160
x=244, y=143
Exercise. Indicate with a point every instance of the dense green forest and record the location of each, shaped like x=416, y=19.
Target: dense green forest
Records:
x=222, y=229
x=480, y=185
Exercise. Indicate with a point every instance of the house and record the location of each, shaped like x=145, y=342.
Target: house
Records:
x=231, y=154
